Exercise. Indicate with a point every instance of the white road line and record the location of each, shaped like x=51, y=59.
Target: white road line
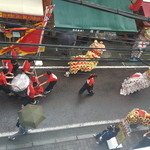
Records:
x=98, y=67
x=65, y=127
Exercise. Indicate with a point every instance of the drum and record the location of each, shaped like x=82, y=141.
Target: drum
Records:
x=21, y=82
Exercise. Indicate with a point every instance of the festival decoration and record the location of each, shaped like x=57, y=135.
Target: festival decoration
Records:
x=85, y=66
x=136, y=5
x=138, y=116
x=33, y=35
x=136, y=82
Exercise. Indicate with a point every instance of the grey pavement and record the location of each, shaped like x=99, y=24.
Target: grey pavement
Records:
x=80, y=138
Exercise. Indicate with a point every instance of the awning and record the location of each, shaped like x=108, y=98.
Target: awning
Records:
x=81, y=18
x=22, y=9
x=146, y=8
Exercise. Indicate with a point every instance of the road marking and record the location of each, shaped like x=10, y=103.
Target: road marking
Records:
x=65, y=127
x=98, y=67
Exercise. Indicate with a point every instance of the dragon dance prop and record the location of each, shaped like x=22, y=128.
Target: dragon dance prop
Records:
x=136, y=82
x=137, y=116
x=85, y=66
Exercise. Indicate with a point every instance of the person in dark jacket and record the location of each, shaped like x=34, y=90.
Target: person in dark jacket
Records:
x=110, y=132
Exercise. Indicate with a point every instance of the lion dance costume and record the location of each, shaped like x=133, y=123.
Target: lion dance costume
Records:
x=137, y=116
x=136, y=82
x=85, y=66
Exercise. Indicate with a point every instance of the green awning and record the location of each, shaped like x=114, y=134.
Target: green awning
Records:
x=76, y=17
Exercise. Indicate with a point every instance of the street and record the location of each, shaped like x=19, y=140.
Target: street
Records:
x=63, y=106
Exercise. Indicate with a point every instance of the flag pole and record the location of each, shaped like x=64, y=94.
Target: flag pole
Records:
x=48, y=13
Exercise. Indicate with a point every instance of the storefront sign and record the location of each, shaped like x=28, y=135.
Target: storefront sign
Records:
x=125, y=131
x=21, y=16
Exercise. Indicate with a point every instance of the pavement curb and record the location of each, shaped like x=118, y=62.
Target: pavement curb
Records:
x=51, y=140
x=72, y=126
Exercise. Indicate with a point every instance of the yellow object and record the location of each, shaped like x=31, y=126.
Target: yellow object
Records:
x=137, y=116
x=85, y=66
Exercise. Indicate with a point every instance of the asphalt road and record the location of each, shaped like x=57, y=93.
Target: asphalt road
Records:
x=63, y=106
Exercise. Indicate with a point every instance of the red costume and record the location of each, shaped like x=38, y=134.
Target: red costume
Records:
x=9, y=66
x=26, y=66
x=2, y=79
x=38, y=89
x=50, y=77
x=90, y=81
x=31, y=91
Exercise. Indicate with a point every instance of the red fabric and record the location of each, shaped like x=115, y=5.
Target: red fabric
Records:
x=5, y=61
x=50, y=77
x=90, y=81
x=13, y=53
x=135, y=76
x=31, y=91
x=9, y=66
x=39, y=89
x=26, y=66
x=141, y=112
x=136, y=5
x=32, y=36
x=2, y=79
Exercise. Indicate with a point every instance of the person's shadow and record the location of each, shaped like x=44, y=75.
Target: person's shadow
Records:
x=82, y=98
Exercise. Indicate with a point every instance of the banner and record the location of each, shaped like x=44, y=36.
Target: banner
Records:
x=32, y=36
x=125, y=131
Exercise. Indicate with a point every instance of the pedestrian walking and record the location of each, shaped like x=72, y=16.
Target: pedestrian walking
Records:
x=22, y=131
x=110, y=132
x=88, y=85
x=52, y=80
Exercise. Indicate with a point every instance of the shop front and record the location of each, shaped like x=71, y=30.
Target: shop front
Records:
x=77, y=18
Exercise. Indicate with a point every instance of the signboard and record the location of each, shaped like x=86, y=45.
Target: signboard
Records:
x=125, y=131
x=21, y=16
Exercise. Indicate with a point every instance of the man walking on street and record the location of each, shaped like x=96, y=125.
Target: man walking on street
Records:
x=88, y=85
x=22, y=130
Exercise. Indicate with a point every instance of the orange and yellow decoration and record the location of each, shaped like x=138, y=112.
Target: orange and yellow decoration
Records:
x=138, y=116
x=85, y=66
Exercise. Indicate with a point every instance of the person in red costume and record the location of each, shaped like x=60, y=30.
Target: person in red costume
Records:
x=36, y=84
x=136, y=5
x=4, y=84
x=26, y=67
x=88, y=85
x=52, y=80
x=32, y=95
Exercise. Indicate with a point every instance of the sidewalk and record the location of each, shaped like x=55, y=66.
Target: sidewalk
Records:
x=78, y=138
